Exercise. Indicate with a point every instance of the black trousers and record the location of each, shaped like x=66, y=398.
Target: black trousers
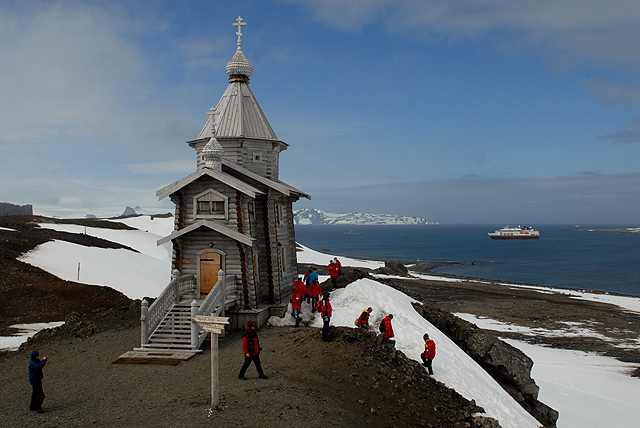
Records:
x=247, y=361
x=427, y=363
x=37, y=395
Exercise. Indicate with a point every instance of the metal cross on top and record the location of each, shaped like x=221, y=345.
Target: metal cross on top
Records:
x=239, y=23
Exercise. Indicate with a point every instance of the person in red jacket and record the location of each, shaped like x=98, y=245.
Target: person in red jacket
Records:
x=333, y=273
x=315, y=291
x=296, y=305
x=429, y=353
x=300, y=287
x=386, y=328
x=363, y=319
x=324, y=307
x=251, y=348
x=338, y=265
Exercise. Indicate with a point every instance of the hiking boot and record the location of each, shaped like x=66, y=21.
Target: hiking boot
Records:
x=263, y=376
x=241, y=377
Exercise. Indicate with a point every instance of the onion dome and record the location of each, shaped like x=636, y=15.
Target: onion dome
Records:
x=239, y=65
x=212, y=154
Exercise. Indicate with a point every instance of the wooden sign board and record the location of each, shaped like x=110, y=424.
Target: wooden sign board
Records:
x=217, y=329
x=202, y=319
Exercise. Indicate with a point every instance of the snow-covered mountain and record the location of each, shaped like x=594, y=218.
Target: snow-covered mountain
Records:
x=313, y=216
x=129, y=211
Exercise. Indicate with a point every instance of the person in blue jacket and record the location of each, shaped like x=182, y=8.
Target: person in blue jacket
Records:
x=309, y=277
x=35, y=379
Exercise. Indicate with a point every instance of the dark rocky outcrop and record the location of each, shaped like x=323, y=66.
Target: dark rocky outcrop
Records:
x=509, y=366
x=12, y=209
x=392, y=267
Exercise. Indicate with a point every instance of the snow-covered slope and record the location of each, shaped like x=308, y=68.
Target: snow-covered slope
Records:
x=312, y=216
x=135, y=274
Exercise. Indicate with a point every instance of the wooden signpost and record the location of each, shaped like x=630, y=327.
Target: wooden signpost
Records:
x=215, y=326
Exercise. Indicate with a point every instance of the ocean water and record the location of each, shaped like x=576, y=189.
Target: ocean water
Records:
x=603, y=261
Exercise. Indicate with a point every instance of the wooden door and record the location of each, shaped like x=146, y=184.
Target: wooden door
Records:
x=209, y=266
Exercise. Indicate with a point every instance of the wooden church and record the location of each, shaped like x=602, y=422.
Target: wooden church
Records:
x=234, y=230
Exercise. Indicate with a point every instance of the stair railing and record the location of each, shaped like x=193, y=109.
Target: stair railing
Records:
x=213, y=301
x=152, y=315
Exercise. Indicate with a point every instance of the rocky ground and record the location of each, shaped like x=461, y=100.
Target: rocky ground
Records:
x=349, y=382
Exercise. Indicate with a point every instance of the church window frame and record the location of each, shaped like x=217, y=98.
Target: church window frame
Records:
x=279, y=215
x=283, y=257
x=211, y=204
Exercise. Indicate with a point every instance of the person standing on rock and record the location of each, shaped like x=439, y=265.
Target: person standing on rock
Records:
x=251, y=348
x=35, y=379
x=387, y=329
x=315, y=291
x=324, y=307
x=429, y=353
x=363, y=319
x=338, y=265
x=333, y=273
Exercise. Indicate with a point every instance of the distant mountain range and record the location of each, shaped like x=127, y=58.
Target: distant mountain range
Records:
x=312, y=216
x=129, y=211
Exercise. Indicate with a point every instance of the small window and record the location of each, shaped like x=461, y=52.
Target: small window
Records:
x=282, y=253
x=255, y=266
x=279, y=215
x=257, y=157
x=211, y=204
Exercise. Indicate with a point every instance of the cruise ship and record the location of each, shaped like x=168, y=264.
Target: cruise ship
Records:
x=515, y=233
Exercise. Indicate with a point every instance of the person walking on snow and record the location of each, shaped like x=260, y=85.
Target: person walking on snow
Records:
x=315, y=291
x=309, y=277
x=324, y=307
x=429, y=353
x=296, y=304
x=386, y=328
x=300, y=287
x=35, y=379
x=363, y=319
x=251, y=348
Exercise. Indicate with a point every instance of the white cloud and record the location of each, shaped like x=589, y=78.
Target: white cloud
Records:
x=66, y=68
x=565, y=31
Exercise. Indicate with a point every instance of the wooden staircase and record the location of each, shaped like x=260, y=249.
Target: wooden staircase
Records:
x=167, y=326
x=174, y=331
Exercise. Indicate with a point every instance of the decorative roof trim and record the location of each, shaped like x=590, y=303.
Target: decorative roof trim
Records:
x=213, y=225
x=257, y=177
x=294, y=190
x=227, y=179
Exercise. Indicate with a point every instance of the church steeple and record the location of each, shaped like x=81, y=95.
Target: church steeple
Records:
x=238, y=114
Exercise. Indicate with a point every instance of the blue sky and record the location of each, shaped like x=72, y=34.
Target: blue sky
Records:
x=460, y=111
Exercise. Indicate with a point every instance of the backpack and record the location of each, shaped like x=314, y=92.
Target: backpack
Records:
x=383, y=327
x=319, y=306
x=356, y=321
